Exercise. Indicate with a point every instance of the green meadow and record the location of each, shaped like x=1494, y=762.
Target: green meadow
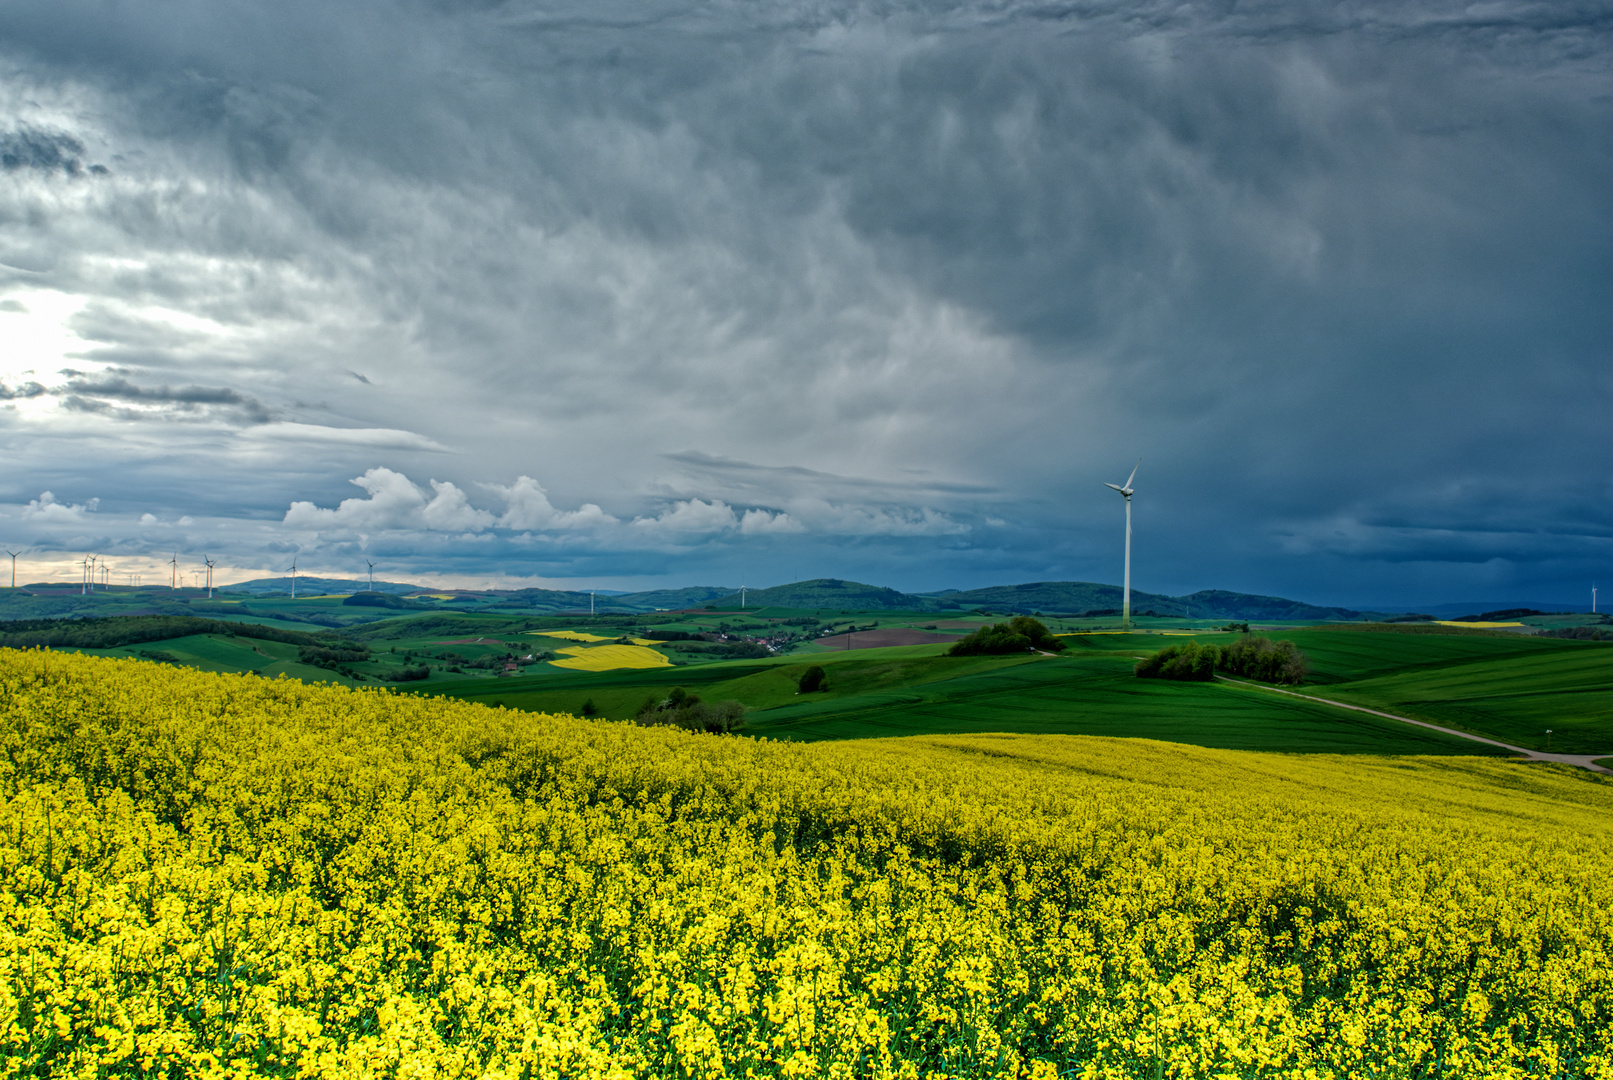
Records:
x=1507, y=686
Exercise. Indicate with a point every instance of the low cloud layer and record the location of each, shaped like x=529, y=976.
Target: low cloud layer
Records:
x=882, y=292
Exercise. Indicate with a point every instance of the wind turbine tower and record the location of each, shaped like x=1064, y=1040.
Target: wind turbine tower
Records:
x=210, y=565
x=1126, y=491
x=173, y=573
x=13, y=555
x=590, y=601
x=293, y=569
x=372, y=575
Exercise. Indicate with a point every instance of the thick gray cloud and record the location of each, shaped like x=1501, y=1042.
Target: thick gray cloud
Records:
x=652, y=292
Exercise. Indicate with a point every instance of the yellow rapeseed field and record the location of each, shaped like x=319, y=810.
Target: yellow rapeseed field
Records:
x=611, y=657
x=569, y=635
x=1476, y=625
x=209, y=875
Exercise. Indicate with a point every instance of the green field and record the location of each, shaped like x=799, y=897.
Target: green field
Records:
x=914, y=690
x=1507, y=686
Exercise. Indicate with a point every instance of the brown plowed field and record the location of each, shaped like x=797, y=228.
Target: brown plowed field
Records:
x=882, y=639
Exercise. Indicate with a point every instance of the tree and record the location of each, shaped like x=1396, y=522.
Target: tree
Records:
x=813, y=680
x=1264, y=659
x=588, y=708
x=685, y=710
x=1190, y=662
x=1251, y=657
x=1019, y=634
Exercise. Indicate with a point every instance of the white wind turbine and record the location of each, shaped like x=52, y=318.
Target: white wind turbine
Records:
x=372, y=575
x=1126, y=491
x=293, y=569
x=13, y=555
x=173, y=573
x=210, y=565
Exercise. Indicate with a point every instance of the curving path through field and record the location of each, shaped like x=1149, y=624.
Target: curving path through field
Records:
x=1583, y=761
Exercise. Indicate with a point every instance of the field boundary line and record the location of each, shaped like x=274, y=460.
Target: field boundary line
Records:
x=1583, y=761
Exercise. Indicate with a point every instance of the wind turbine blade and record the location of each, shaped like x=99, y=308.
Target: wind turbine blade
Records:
x=1134, y=469
x=1117, y=487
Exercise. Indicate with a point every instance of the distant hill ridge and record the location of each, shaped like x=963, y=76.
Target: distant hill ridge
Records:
x=1063, y=597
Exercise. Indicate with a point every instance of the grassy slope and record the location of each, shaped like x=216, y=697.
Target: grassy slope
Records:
x=213, y=652
x=1505, y=686
x=914, y=690
x=1516, y=698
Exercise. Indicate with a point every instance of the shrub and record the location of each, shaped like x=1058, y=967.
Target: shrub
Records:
x=1266, y=660
x=685, y=710
x=1252, y=657
x=408, y=674
x=1019, y=634
x=319, y=656
x=1573, y=633
x=813, y=680
x=1191, y=662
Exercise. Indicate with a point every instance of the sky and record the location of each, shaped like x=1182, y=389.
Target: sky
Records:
x=629, y=295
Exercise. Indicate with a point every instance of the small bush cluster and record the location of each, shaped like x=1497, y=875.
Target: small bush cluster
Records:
x=1581, y=633
x=1184, y=663
x=1019, y=634
x=320, y=656
x=684, y=710
x=1251, y=657
x=813, y=679
x=1264, y=659
x=408, y=674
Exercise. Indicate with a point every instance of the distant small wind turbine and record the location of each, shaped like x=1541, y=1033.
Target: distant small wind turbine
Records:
x=1126, y=491
x=372, y=575
x=210, y=565
x=293, y=569
x=590, y=601
x=173, y=572
x=13, y=555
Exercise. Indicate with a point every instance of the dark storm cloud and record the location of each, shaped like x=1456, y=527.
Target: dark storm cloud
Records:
x=796, y=477
x=25, y=148
x=1338, y=272
x=29, y=389
x=90, y=394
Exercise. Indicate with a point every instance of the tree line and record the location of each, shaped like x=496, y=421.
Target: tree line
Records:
x=1251, y=657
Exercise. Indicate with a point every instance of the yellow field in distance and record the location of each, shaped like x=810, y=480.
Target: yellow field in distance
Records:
x=611, y=657
x=569, y=635
x=1478, y=625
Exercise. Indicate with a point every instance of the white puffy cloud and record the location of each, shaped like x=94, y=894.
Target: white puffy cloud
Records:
x=762, y=522
x=393, y=503
x=45, y=510
x=691, y=516
x=450, y=511
x=528, y=507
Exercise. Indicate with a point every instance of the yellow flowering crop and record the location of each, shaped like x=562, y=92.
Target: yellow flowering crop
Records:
x=611, y=657
x=568, y=635
x=228, y=876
